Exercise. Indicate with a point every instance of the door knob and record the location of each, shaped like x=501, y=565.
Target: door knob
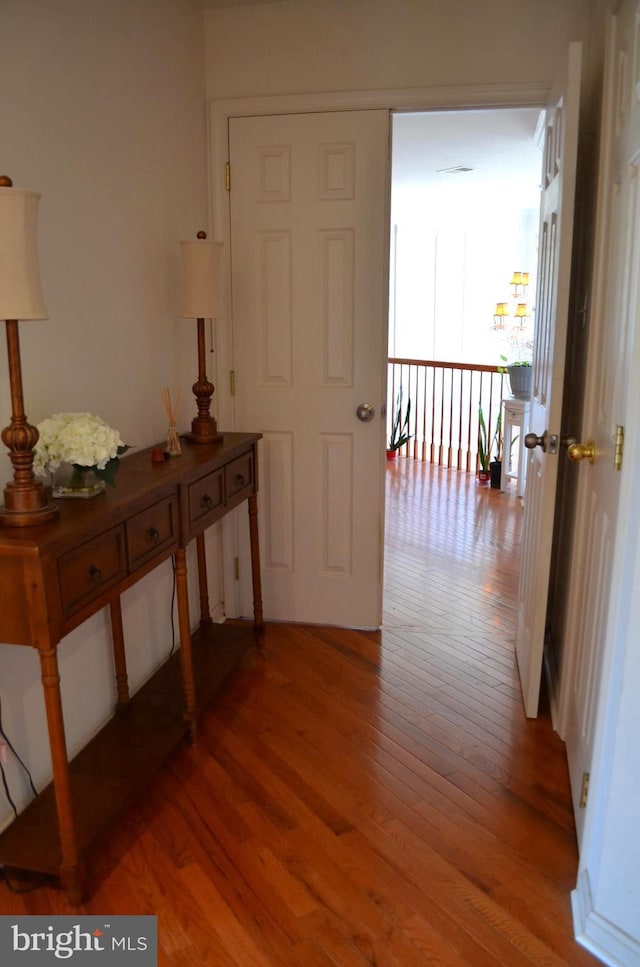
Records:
x=531, y=441
x=582, y=451
x=548, y=442
x=365, y=412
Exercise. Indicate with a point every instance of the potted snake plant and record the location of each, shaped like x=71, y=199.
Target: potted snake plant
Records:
x=399, y=433
x=489, y=451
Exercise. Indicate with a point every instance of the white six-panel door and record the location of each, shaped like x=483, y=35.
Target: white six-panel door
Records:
x=309, y=212
x=552, y=308
x=616, y=303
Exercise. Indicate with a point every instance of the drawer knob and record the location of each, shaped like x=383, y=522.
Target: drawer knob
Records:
x=240, y=479
x=95, y=574
x=154, y=535
x=207, y=501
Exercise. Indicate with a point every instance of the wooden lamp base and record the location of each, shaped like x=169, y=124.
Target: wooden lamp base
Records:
x=27, y=502
x=27, y=507
x=204, y=431
x=203, y=426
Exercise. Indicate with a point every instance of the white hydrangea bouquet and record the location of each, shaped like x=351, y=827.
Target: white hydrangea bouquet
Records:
x=81, y=439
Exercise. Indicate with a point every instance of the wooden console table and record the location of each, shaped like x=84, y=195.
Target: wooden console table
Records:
x=55, y=576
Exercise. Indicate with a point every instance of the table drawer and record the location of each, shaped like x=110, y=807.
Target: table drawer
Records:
x=206, y=496
x=91, y=569
x=151, y=532
x=239, y=476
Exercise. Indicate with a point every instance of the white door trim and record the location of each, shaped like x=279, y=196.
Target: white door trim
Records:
x=220, y=110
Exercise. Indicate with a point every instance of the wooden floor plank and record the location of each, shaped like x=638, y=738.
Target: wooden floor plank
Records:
x=366, y=797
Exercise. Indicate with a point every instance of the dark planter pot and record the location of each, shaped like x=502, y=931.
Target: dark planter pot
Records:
x=495, y=470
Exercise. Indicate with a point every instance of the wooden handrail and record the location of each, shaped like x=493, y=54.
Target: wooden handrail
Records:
x=445, y=401
x=439, y=364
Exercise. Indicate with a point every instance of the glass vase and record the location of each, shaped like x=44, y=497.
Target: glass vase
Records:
x=81, y=484
x=173, y=447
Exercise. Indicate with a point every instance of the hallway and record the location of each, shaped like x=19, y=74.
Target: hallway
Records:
x=365, y=797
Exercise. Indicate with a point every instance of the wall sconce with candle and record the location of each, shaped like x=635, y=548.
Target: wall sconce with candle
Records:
x=519, y=281
x=501, y=313
x=26, y=502
x=522, y=314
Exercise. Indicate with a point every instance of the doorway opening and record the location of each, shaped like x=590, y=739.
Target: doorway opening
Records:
x=465, y=201
x=465, y=207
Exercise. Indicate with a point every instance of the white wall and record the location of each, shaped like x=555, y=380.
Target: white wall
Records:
x=304, y=46
x=103, y=112
x=449, y=275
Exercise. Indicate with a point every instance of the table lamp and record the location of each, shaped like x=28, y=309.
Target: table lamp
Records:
x=26, y=502
x=200, y=301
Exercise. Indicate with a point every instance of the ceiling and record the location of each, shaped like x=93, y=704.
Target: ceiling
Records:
x=499, y=146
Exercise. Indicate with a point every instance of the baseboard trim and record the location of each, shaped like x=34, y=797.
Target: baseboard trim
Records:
x=598, y=935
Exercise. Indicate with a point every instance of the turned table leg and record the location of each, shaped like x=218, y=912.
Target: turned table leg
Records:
x=258, y=619
x=119, y=657
x=186, y=651
x=203, y=584
x=70, y=873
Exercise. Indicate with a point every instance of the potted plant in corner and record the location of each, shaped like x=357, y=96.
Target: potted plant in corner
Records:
x=495, y=465
x=489, y=470
x=399, y=434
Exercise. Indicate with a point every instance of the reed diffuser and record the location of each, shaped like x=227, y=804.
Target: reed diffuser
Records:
x=173, y=440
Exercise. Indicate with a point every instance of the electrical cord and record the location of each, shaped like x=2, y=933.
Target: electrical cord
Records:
x=6, y=790
x=33, y=881
x=8, y=742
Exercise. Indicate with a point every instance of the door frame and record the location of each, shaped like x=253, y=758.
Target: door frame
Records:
x=220, y=111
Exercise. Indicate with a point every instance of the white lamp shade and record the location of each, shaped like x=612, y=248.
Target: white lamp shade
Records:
x=20, y=291
x=200, y=278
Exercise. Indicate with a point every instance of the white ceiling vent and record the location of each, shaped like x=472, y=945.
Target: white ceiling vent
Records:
x=456, y=170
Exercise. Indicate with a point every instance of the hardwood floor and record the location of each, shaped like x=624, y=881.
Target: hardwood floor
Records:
x=366, y=798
